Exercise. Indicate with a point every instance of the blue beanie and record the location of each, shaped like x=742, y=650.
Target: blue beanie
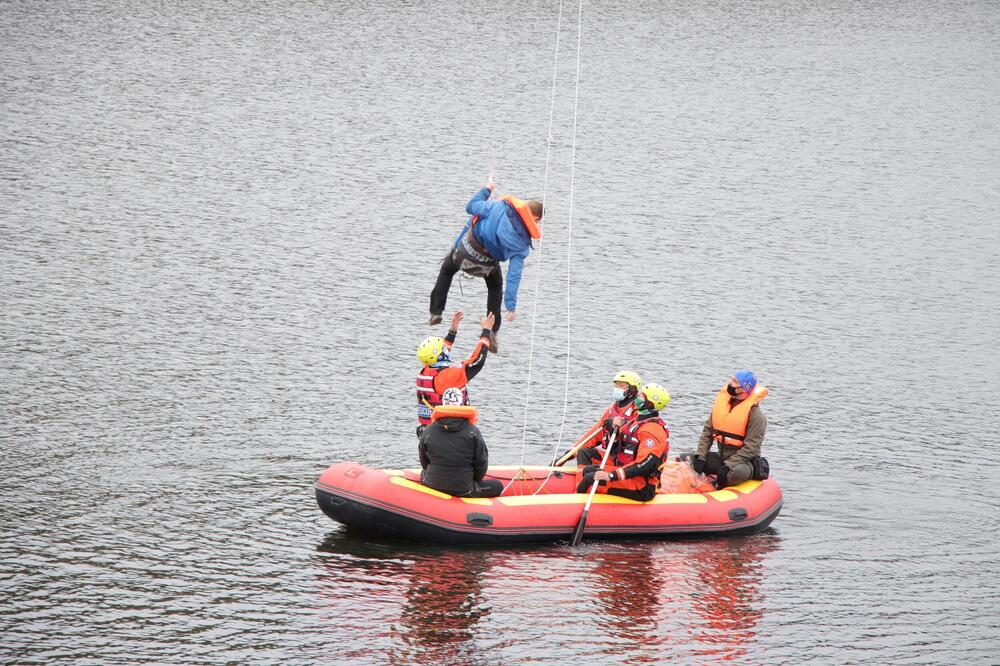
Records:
x=747, y=379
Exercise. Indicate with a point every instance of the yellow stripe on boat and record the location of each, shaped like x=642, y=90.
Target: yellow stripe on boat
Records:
x=726, y=495
x=746, y=487
x=581, y=498
x=413, y=485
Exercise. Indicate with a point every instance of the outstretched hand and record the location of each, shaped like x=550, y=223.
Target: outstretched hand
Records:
x=456, y=320
x=488, y=321
x=490, y=185
x=510, y=315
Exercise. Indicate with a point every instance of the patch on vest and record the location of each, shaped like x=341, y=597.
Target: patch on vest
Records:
x=452, y=397
x=649, y=443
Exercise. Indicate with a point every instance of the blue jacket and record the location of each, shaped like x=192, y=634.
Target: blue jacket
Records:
x=502, y=233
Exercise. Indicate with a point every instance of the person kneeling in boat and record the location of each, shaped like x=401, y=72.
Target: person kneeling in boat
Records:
x=737, y=426
x=638, y=453
x=453, y=454
x=590, y=448
x=438, y=379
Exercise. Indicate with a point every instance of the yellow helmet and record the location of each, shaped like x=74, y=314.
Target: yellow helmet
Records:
x=430, y=350
x=629, y=377
x=656, y=395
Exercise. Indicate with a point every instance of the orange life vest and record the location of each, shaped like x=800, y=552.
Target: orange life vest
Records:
x=627, y=450
x=729, y=424
x=530, y=223
x=428, y=397
x=464, y=411
x=638, y=440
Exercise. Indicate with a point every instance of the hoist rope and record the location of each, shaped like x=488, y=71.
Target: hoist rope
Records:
x=538, y=259
x=569, y=244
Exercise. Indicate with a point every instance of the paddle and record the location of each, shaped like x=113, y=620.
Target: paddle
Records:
x=569, y=455
x=578, y=534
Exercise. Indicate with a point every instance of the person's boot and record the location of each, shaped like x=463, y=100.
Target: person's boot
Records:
x=435, y=319
x=493, y=346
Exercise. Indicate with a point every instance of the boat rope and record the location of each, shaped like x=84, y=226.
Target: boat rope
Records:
x=569, y=243
x=538, y=258
x=496, y=113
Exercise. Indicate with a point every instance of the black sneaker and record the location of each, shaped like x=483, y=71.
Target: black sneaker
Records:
x=435, y=319
x=493, y=346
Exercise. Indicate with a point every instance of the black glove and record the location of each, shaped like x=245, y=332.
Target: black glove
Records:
x=608, y=425
x=699, y=464
x=722, y=480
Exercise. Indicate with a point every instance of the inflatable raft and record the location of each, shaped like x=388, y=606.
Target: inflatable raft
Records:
x=535, y=506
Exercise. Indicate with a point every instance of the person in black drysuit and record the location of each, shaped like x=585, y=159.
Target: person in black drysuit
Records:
x=453, y=454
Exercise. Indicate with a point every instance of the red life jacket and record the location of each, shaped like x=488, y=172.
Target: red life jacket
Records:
x=628, y=443
x=628, y=413
x=427, y=396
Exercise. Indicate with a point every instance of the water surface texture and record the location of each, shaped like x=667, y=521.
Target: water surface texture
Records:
x=219, y=226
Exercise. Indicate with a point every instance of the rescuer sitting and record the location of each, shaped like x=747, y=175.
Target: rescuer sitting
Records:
x=637, y=454
x=590, y=448
x=438, y=378
x=453, y=454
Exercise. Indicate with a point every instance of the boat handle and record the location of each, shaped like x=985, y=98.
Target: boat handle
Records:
x=737, y=514
x=481, y=519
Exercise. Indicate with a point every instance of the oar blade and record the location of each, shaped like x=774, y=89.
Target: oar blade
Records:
x=578, y=533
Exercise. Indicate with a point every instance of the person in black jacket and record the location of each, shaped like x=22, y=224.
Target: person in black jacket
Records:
x=453, y=454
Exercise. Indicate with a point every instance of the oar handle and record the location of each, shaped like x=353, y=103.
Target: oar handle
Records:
x=569, y=455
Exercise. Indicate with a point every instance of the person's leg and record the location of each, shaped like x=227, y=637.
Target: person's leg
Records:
x=737, y=474
x=439, y=296
x=644, y=495
x=587, y=479
x=487, y=488
x=494, y=295
x=588, y=457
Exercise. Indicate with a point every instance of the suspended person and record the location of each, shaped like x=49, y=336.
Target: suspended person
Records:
x=499, y=230
x=453, y=454
x=637, y=454
x=590, y=447
x=439, y=379
x=736, y=425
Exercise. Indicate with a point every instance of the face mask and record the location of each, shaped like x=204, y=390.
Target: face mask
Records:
x=640, y=404
x=732, y=390
x=618, y=393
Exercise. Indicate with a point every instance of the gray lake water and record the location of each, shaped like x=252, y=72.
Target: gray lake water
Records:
x=219, y=226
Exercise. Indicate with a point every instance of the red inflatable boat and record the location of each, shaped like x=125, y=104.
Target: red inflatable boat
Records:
x=538, y=504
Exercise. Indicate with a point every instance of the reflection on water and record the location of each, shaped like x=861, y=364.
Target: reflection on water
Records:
x=731, y=602
x=639, y=601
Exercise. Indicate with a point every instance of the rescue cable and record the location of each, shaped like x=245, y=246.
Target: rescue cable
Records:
x=569, y=246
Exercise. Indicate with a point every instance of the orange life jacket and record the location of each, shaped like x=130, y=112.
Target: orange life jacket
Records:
x=428, y=396
x=464, y=411
x=636, y=441
x=627, y=450
x=729, y=424
x=530, y=223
